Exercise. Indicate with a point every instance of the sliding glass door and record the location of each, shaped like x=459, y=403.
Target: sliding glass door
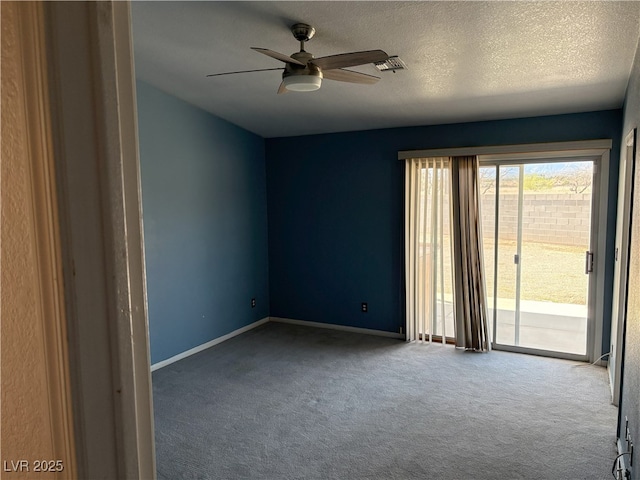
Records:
x=537, y=253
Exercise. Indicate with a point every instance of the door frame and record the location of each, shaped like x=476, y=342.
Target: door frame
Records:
x=599, y=148
x=628, y=163
x=565, y=157
x=90, y=75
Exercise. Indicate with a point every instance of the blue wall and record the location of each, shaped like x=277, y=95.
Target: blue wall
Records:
x=335, y=224
x=205, y=223
x=336, y=212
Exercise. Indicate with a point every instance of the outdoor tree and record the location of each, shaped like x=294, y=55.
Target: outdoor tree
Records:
x=577, y=179
x=535, y=181
x=487, y=178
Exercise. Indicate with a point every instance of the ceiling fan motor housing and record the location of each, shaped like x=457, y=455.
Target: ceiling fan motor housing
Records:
x=291, y=69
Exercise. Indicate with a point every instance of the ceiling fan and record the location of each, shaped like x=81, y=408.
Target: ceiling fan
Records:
x=304, y=73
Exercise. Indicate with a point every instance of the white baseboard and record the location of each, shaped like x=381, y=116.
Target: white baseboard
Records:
x=216, y=341
x=331, y=326
x=209, y=344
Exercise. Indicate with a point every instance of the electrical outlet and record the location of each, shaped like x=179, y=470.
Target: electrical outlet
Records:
x=364, y=308
x=628, y=439
x=253, y=303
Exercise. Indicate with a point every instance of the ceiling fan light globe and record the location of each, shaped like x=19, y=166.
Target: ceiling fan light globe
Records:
x=302, y=83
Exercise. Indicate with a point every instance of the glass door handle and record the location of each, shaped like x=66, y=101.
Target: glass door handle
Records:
x=588, y=262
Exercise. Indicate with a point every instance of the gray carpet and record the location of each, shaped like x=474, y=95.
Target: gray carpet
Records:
x=291, y=402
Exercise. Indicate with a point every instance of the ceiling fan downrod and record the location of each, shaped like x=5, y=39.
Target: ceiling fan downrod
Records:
x=303, y=33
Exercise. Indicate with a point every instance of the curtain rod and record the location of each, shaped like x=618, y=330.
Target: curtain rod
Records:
x=583, y=147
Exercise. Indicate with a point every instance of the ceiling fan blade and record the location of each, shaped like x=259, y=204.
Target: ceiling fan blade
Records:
x=352, y=59
x=278, y=56
x=245, y=71
x=282, y=89
x=349, y=76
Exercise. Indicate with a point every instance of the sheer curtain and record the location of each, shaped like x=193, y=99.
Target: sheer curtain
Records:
x=428, y=272
x=445, y=292
x=472, y=326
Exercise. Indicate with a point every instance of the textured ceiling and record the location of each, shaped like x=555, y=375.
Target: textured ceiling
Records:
x=466, y=61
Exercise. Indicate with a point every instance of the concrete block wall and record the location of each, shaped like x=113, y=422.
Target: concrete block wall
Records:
x=561, y=219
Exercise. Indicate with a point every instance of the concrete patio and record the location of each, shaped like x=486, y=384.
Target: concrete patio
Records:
x=557, y=327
